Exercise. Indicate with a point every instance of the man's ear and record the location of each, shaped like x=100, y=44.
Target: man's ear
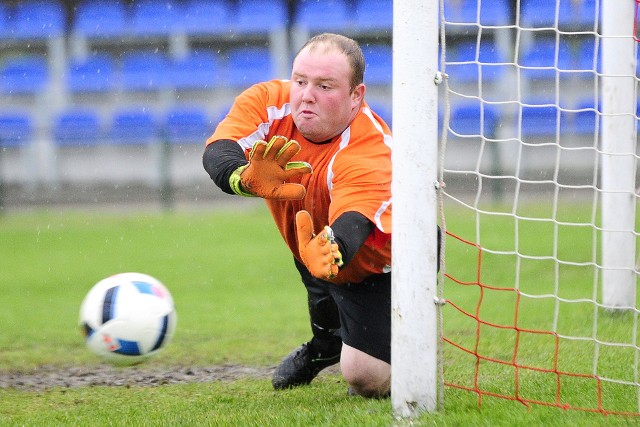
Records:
x=357, y=95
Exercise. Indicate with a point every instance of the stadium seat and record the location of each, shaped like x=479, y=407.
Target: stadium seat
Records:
x=539, y=61
x=329, y=15
x=187, y=125
x=39, y=19
x=379, y=64
x=572, y=14
x=205, y=17
x=100, y=18
x=5, y=29
x=466, y=119
x=374, y=15
x=494, y=12
x=133, y=126
x=16, y=129
x=585, y=64
x=538, y=13
x=92, y=74
x=144, y=71
x=249, y=65
x=77, y=127
x=465, y=67
x=540, y=119
x=198, y=70
x=24, y=75
x=260, y=16
x=154, y=18
x=585, y=119
x=579, y=13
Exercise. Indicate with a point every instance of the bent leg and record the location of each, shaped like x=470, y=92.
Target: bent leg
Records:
x=366, y=375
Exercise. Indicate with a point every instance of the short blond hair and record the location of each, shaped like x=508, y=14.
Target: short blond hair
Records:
x=349, y=47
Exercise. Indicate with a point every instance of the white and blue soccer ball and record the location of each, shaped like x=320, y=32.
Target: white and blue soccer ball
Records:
x=127, y=317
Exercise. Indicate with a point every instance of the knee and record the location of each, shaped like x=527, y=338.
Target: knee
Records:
x=366, y=387
x=367, y=378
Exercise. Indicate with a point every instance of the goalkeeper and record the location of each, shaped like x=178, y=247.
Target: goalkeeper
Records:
x=321, y=159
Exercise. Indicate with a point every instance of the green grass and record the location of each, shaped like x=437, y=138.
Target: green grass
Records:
x=239, y=300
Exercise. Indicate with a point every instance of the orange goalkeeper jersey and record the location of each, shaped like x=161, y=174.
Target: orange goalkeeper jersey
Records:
x=351, y=173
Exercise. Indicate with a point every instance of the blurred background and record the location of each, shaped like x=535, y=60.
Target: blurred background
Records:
x=107, y=102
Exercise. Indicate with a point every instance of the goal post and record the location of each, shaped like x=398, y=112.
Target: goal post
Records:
x=618, y=165
x=414, y=337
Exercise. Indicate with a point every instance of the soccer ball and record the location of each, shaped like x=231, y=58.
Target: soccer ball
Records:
x=127, y=317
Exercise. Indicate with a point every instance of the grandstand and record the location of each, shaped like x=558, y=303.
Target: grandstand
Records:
x=98, y=94
x=77, y=76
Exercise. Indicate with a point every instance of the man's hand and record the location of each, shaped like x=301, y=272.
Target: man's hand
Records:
x=268, y=169
x=320, y=254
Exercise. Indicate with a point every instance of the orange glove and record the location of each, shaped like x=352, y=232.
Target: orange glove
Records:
x=320, y=254
x=268, y=169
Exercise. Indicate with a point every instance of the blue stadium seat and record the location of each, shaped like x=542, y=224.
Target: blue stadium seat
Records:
x=494, y=12
x=5, y=29
x=379, y=64
x=39, y=19
x=328, y=15
x=154, y=18
x=466, y=120
x=205, y=17
x=188, y=125
x=77, y=127
x=16, y=129
x=100, y=18
x=539, y=60
x=585, y=119
x=538, y=13
x=261, y=16
x=540, y=119
x=249, y=65
x=586, y=52
x=572, y=14
x=133, y=126
x=579, y=13
x=92, y=74
x=466, y=69
x=198, y=70
x=145, y=71
x=374, y=15
x=24, y=75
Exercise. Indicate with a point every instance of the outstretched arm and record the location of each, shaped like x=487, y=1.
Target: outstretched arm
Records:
x=264, y=175
x=220, y=159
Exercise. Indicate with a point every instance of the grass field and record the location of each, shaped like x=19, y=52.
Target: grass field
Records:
x=238, y=301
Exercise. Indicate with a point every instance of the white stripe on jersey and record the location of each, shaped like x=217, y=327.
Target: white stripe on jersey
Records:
x=273, y=114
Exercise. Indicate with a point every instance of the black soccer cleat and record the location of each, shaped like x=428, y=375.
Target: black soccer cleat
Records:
x=300, y=367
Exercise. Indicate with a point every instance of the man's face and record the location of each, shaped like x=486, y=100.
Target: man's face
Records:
x=322, y=104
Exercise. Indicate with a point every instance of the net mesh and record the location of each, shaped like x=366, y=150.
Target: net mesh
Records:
x=520, y=191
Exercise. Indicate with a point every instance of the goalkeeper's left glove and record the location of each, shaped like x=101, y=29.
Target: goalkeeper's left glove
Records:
x=320, y=254
x=268, y=169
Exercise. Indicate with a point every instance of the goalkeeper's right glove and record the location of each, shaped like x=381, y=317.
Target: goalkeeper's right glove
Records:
x=268, y=169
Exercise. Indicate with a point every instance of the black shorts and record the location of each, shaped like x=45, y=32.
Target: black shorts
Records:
x=364, y=309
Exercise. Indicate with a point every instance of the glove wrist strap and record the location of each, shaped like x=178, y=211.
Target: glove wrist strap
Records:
x=236, y=184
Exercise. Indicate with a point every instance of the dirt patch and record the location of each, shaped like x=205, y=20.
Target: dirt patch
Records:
x=47, y=377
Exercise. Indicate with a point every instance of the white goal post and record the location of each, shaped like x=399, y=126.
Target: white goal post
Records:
x=414, y=341
x=618, y=166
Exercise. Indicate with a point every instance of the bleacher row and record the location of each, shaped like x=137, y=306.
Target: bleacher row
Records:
x=162, y=54
x=112, y=47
